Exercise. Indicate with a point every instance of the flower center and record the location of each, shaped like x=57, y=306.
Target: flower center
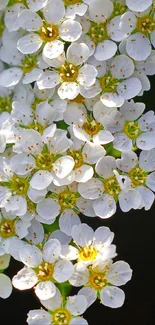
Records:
x=28, y=63
x=91, y=127
x=131, y=129
x=78, y=159
x=61, y=316
x=138, y=176
x=111, y=186
x=36, y=126
x=68, y=72
x=49, y=32
x=145, y=25
x=67, y=199
x=45, y=271
x=97, y=280
x=87, y=253
x=97, y=32
x=79, y=99
x=45, y=160
x=5, y=104
x=119, y=9
x=19, y=185
x=108, y=83
x=7, y=228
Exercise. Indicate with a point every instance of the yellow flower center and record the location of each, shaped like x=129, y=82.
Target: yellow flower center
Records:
x=92, y=127
x=49, y=32
x=145, y=25
x=45, y=160
x=119, y=9
x=131, y=129
x=111, y=186
x=61, y=316
x=67, y=199
x=7, y=228
x=87, y=253
x=5, y=104
x=36, y=126
x=79, y=99
x=78, y=159
x=97, y=32
x=108, y=83
x=138, y=176
x=97, y=280
x=36, y=102
x=68, y=72
x=45, y=271
x=28, y=63
x=19, y=185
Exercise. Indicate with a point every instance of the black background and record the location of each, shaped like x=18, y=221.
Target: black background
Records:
x=135, y=240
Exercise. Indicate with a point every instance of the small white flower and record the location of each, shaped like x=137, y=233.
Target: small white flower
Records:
x=102, y=281
x=69, y=72
x=41, y=268
x=67, y=312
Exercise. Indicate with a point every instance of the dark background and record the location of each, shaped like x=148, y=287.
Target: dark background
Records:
x=135, y=241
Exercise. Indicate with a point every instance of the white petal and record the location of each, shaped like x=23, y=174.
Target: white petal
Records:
x=67, y=220
x=147, y=160
x=30, y=255
x=103, y=137
x=53, y=303
x=68, y=90
x=138, y=47
x=105, y=167
x=147, y=195
x=4, y=261
x=22, y=164
x=83, y=174
x=25, y=279
x=129, y=200
x=122, y=142
x=61, y=236
x=29, y=20
x=129, y=88
x=38, y=317
x=112, y=99
x=41, y=180
x=92, y=189
x=77, y=53
x=51, y=250
x=146, y=141
x=17, y=205
x=87, y=75
x=90, y=295
x=11, y=17
x=112, y=297
x=48, y=79
x=63, y=270
x=77, y=305
x=92, y=152
x=36, y=5
x=53, y=49
x=119, y=273
x=105, y=207
x=35, y=233
x=54, y=11
x=10, y=77
x=128, y=161
x=29, y=43
x=78, y=321
x=138, y=5
x=80, y=276
x=122, y=67
x=85, y=207
x=127, y=22
x=63, y=166
x=75, y=9
x=82, y=234
x=100, y=10
x=48, y=208
x=45, y=290
x=70, y=30
x=105, y=50
x=35, y=195
x=5, y=286
x=131, y=110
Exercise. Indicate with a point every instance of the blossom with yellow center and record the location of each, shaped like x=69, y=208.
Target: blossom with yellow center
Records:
x=28, y=63
x=97, y=280
x=87, y=253
x=7, y=228
x=145, y=25
x=68, y=72
x=111, y=186
x=49, y=32
x=67, y=199
x=61, y=316
x=45, y=271
x=109, y=83
x=19, y=185
x=97, y=32
x=138, y=176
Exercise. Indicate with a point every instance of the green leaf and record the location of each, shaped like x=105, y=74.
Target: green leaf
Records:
x=65, y=288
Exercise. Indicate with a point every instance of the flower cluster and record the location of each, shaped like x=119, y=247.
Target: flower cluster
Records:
x=73, y=140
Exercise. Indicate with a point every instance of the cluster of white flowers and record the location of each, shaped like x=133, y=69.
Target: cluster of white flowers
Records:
x=69, y=132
